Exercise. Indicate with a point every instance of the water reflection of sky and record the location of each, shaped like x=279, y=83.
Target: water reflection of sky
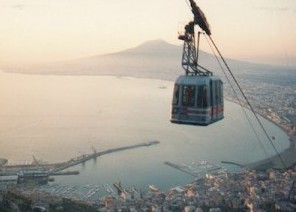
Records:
x=55, y=118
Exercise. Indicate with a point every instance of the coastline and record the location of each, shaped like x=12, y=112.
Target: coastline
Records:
x=288, y=156
x=275, y=162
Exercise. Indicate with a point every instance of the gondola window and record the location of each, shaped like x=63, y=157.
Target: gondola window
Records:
x=202, y=97
x=188, y=96
x=176, y=95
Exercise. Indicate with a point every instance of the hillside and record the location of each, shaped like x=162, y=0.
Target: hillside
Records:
x=153, y=59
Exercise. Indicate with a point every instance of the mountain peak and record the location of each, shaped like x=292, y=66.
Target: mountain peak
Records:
x=153, y=47
x=159, y=43
x=155, y=42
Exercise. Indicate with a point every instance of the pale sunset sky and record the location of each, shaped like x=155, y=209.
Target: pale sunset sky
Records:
x=32, y=31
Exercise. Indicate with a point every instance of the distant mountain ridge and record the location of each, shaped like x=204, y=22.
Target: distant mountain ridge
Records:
x=153, y=59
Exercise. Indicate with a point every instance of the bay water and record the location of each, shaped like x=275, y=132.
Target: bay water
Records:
x=56, y=118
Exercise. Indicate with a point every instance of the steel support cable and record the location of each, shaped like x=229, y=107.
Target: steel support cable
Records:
x=253, y=111
x=188, y=4
x=236, y=95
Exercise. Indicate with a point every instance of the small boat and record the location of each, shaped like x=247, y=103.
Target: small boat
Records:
x=153, y=188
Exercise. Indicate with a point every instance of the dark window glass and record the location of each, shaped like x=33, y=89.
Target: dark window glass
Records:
x=217, y=93
x=221, y=91
x=202, y=96
x=176, y=95
x=188, y=95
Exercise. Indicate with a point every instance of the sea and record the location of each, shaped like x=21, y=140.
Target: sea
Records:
x=56, y=118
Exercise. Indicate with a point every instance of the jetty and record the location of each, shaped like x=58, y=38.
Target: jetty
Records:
x=85, y=157
x=56, y=168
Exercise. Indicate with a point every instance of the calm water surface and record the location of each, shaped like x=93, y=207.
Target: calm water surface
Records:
x=55, y=118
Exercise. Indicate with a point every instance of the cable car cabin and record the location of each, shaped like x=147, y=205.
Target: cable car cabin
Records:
x=197, y=100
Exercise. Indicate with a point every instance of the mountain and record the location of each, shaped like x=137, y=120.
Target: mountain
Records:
x=153, y=59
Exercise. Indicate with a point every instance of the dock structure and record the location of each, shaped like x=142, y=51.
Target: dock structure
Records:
x=198, y=169
x=57, y=168
x=181, y=168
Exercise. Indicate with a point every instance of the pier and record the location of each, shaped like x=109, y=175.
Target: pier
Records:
x=181, y=168
x=86, y=157
x=197, y=169
x=54, y=169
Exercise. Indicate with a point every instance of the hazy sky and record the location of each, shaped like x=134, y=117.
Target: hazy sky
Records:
x=47, y=30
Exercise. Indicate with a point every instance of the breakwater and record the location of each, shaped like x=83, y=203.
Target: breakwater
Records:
x=94, y=155
x=55, y=168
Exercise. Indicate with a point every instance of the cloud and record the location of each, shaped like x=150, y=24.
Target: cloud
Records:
x=18, y=6
x=13, y=6
x=275, y=9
